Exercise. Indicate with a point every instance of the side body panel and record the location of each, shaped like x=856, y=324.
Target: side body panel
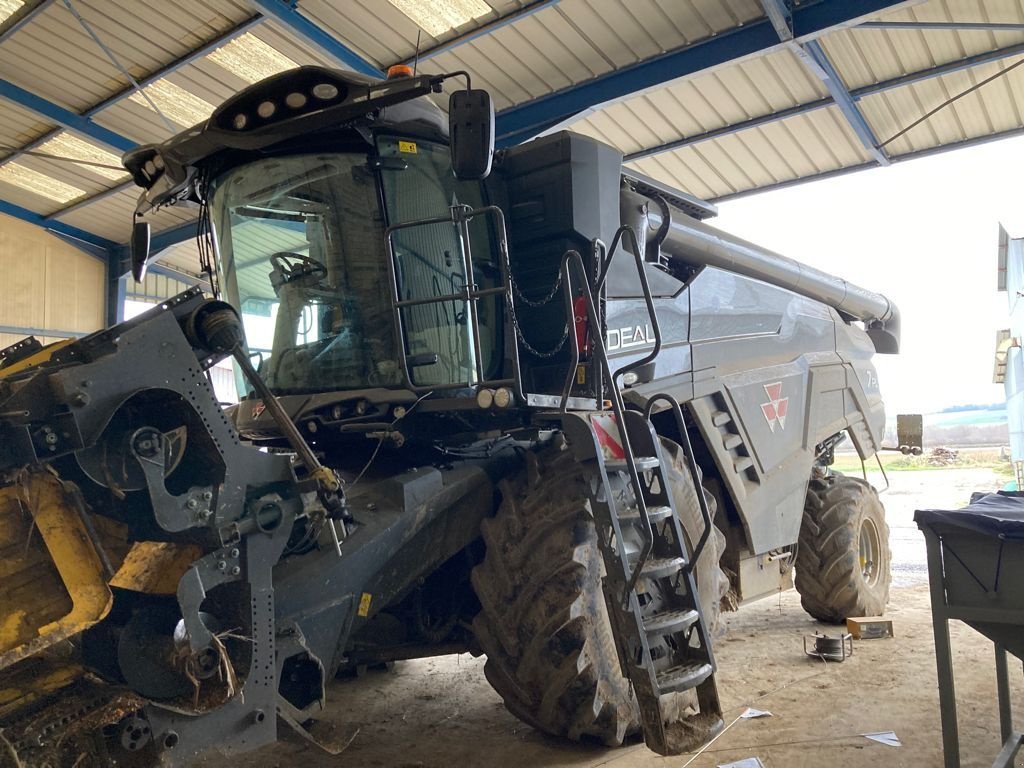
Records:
x=767, y=375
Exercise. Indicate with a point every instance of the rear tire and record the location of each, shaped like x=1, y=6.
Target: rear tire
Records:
x=543, y=622
x=843, y=561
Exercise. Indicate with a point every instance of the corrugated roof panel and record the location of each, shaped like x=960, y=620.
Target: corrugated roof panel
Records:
x=56, y=58
x=725, y=96
x=381, y=33
x=22, y=197
x=111, y=217
x=993, y=108
x=19, y=127
x=866, y=56
x=204, y=79
x=782, y=151
x=62, y=172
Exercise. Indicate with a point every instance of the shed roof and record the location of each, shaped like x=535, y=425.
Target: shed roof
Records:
x=715, y=97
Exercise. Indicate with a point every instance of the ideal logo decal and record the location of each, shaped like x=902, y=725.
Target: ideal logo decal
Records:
x=631, y=336
x=775, y=409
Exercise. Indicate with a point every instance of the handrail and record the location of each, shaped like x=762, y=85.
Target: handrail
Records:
x=620, y=235
x=460, y=215
x=687, y=446
x=618, y=408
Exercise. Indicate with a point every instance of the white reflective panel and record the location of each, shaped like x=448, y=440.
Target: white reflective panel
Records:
x=437, y=17
x=251, y=59
x=68, y=145
x=177, y=104
x=38, y=183
x=8, y=8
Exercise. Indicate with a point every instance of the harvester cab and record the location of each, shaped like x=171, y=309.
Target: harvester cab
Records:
x=377, y=264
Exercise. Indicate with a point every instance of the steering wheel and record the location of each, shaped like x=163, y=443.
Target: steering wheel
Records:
x=291, y=266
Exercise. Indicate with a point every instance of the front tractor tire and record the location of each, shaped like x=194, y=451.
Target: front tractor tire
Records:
x=543, y=622
x=843, y=561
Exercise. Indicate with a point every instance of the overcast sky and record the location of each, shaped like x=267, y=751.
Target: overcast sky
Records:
x=923, y=232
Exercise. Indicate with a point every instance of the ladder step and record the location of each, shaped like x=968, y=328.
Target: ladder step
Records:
x=684, y=677
x=720, y=418
x=732, y=441
x=643, y=464
x=659, y=567
x=632, y=514
x=743, y=463
x=670, y=621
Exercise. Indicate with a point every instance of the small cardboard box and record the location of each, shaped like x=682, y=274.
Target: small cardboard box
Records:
x=869, y=627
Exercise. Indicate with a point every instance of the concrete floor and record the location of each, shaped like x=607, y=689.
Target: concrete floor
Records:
x=438, y=713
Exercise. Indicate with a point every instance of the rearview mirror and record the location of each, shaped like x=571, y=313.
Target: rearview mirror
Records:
x=471, y=130
x=140, y=249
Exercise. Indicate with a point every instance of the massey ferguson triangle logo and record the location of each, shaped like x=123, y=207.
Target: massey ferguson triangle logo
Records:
x=775, y=409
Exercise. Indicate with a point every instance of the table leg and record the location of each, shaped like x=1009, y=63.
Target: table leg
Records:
x=943, y=652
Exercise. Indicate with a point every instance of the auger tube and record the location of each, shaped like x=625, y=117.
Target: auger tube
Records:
x=692, y=242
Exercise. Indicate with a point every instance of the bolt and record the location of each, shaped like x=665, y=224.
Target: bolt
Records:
x=235, y=571
x=234, y=552
x=221, y=565
x=51, y=438
x=191, y=503
x=207, y=495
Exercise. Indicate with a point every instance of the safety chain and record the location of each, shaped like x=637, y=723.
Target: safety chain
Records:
x=530, y=348
x=530, y=303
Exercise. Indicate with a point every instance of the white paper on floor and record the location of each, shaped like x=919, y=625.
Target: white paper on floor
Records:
x=752, y=713
x=889, y=738
x=747, y=762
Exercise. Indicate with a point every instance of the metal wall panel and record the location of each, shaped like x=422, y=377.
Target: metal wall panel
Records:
x=48, y=283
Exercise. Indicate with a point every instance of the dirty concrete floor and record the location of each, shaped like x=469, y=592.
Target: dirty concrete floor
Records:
x=439, y=713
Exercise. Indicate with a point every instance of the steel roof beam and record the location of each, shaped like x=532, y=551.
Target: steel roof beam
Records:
x=810, y=20
x=66, y=231
x=826, y=72
x=80, y=124
x=78, y=205
x=781, y=16
x=858, y=93
x=816, y=61
x=287, y=13
x=961, y=26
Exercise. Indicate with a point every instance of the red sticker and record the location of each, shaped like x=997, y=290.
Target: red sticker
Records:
x=777, y=406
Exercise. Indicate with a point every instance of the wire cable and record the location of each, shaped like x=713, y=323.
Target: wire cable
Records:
x=121, y=68
x=61, y=158
x=949, y=101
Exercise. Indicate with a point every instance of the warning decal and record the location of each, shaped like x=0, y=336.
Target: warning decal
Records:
x=607, y=432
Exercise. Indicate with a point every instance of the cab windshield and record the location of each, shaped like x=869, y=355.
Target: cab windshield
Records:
x=302, y=255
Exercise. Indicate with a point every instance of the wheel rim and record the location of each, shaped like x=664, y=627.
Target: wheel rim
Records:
x=870, y=548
